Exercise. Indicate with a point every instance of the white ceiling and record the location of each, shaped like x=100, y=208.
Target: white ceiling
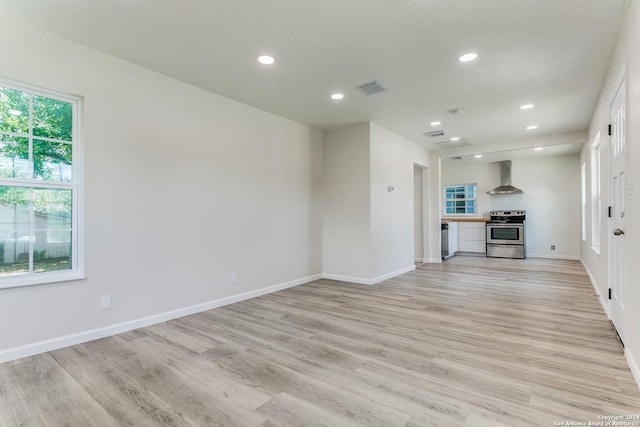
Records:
x=522, y=153
x=553, y=53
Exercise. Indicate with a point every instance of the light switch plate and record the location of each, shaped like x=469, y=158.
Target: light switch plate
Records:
x=105, y=302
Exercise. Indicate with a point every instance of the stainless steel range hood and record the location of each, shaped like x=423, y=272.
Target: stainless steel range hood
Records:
x=505, y=180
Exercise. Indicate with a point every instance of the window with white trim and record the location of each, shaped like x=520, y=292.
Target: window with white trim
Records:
x=596, y=203
x=460, y=199
x=39, y=186
x=583, y=201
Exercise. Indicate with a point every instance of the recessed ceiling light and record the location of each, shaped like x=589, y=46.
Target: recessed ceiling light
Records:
x=455, y=138
x=532, y=127
x=15, y=112
x=337, y=96
x=539, y=148
x=266, y=59
x=477, y=156
x=526, y=106
x=435, y=123
x=467, y=57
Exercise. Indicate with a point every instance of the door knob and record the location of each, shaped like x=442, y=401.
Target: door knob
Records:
x=618, y=232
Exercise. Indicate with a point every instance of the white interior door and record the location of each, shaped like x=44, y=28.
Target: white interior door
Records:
x=616, y=231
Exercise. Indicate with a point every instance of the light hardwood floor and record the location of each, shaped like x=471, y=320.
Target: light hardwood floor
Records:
x=470, y=342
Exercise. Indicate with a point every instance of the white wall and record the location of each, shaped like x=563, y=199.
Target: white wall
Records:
x=551, y=197
x=482, y=174
x=368, y=231
x=183, y=187
x=346, y=203
x=418, y=219
x=392, y=238
x=434, y=208
x=626, y=61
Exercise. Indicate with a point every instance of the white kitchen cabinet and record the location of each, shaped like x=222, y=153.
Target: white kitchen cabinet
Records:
x=472, y=237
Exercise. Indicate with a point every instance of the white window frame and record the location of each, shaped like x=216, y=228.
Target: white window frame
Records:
x=76, y=186
x=474, y=199
x=583, y=202
x=596, y=200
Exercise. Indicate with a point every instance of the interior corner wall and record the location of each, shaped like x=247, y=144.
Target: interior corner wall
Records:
x=392, y=212
x=368, y=232
x=182, y=188
x=625, y=62
x=346, y=214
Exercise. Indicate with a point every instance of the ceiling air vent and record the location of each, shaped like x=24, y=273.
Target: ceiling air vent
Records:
x=434, y=134
x=371, y=88
x=452, y=144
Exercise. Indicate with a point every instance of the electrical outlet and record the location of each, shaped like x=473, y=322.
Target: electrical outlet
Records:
x=553, y=247
x=105, y=302
x=234, y=278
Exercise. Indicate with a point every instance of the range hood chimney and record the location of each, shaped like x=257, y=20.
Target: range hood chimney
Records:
x=505, y=181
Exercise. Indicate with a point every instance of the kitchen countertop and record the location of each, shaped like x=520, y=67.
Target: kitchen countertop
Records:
x=464, y=220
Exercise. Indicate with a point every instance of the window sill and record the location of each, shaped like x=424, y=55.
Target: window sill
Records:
x=39, y=279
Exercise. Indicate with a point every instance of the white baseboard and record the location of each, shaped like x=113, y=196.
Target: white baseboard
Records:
x=364, y=281
x=94, y=334
x=393, y=274
x=603, y=302
x=427, y=260
x=635, y=369
x=434, y=260
x=343, y=278
x=568, y=257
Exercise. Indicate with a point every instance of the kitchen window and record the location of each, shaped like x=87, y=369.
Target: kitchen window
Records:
x=461, y=199
x=39, y=186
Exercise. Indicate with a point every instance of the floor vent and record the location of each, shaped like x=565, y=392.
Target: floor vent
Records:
x=371, y=88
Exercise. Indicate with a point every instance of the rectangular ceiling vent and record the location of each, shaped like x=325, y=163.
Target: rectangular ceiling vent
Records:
x=452, y=144
x=434, y=134
x=371, y=88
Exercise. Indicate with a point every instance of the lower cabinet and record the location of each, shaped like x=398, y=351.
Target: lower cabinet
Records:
x=471, y=237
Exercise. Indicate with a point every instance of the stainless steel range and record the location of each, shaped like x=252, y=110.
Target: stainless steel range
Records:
x=505, y=234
